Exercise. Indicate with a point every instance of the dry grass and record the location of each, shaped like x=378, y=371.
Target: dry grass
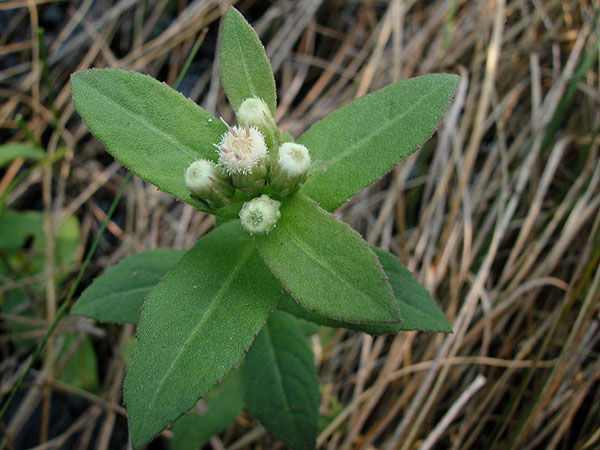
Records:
x=498, y=215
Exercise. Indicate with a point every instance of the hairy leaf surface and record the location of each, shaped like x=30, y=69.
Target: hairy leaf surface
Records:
x=281, y=384
x=118, y=294
x=366, y=138
x=195, y=326
x=418, y=309
x=245, y=68
x=327, y=266
x=147, y=126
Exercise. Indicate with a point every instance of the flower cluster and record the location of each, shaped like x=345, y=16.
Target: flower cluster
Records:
x=251, y=158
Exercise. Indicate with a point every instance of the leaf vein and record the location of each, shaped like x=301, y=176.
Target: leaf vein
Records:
x=392, y=122
x=307, y=250
x=228, y=281
x=169, y=138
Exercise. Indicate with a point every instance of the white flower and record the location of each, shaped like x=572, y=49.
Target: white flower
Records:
x=208, y=184
x=254, y=111
x=293, y=158
x=241, y=149
x=260, y=214
x=290, y=168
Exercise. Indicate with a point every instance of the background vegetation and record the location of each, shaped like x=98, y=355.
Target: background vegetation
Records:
x=498, y=215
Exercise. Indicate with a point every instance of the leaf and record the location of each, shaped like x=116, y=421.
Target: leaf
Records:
x=308, y=327
x=81, y=368
x=223, y=404
x=20, y=229
x=418, y=310
x=147, y=126
x=195, y=325
x=280, y=382
x=245, y=68
x=23, y=254
x=366, y=138
x=14, y=150
x=327, y=266
x=117, y=295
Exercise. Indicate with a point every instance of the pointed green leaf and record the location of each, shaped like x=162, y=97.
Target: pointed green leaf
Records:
x=147, y=126
x=418, y=310
x=245, y=68
x=327, y=266
x=118, y=294
x=365, y=139
x=223, y=404
x=195, y=326
x=281, y=384
x=13, y=150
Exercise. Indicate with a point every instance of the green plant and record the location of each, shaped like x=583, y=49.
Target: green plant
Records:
x=278, y=254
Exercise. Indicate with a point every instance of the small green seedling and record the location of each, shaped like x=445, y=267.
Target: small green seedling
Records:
x=278, y=254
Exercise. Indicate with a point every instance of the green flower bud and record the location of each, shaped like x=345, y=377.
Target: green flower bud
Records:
x=243, y=154
x=290, y=168
x=260, y=214
x=208, y=183
x=254, y=112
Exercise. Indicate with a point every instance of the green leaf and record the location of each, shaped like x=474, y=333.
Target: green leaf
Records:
x=14, y=150
x=117, y=295
x=147, y=126
x=223, y=404
x=308, y=328
x=81, y=368
x=365, y=139
x=418, y=310
x=327, y=266
x=245, y=68
x=23, y=254
x=195, y=326
x=17, y=228
x=280, y=382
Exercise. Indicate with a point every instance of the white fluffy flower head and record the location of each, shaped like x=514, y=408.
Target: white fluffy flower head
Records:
x=200, y=175
x=260, y=214
x=294, y=158
x=241, y=148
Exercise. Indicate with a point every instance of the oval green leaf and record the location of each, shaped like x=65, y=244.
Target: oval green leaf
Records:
x=366, y=138
x=327, y=266
x=147, y=126
x=418, y=309
x=280, y=382
x=118, y=294
x=245, y=69
x=195, y=326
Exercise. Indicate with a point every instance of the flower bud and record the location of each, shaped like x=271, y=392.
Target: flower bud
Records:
x=208, y=183
x=260, y=214
x=254, y=112
x=243, y=154
x=290, y=168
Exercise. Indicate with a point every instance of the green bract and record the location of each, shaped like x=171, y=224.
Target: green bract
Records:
x=200, y=319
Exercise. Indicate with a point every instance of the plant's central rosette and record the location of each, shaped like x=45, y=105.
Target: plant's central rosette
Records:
x=253, y=159
x=241, y=149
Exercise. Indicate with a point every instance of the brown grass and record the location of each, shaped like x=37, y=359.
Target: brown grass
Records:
x=498, y=215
